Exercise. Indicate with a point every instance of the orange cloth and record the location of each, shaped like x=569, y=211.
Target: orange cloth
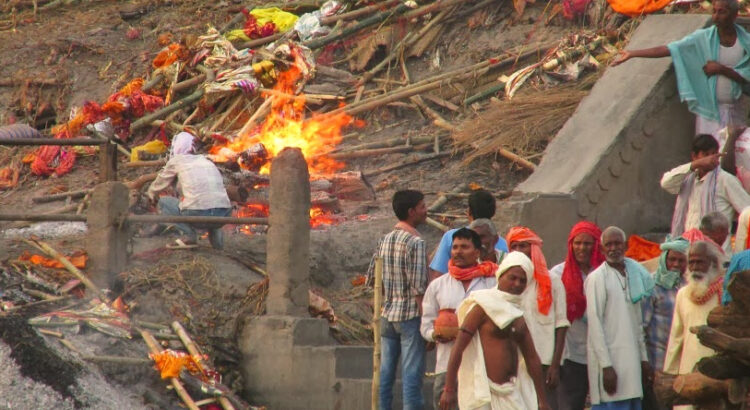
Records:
x=642, y=249
x=170, y=363
x=484, y=269
x=169, y=55
x=78, y=259
x=541, y=274
x=634, y=8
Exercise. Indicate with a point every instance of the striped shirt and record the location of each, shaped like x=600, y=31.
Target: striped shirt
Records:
x=404, y=274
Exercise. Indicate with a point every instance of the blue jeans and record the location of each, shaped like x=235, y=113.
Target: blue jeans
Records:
x=169, y=205
x=630, y=404
x=402, y=339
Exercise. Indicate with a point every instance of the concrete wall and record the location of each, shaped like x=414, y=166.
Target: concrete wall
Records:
x=606, y=162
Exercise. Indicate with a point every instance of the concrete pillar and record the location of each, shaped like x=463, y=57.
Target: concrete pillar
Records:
x=106, y=241
x=288, y=243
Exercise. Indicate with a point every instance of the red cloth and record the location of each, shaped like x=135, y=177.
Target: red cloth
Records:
x=541, y=274
x=571, y=277
x=641, y=249
x=695, y=234
x=484, y=269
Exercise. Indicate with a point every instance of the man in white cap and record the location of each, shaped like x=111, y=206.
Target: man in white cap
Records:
x=200, y=185
x=485, y=363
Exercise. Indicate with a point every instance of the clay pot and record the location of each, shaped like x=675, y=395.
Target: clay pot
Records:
x=446, y=324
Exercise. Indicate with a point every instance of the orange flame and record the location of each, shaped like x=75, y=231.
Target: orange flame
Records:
x=318, y=216
x=287, y=126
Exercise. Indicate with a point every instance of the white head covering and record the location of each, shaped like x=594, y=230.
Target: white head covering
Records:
x=516, y=259
x=182, y=143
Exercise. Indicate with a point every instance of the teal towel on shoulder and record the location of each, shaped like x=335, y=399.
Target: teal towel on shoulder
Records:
x=640, y=282
x=690, y=54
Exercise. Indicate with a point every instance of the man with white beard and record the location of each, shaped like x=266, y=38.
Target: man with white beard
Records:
x=694, y=301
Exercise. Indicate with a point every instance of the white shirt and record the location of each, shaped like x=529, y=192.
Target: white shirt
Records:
x=730, y=57
x=575, y=337
x=198, y=181
x=730, y=195
x=446, y=292
x=542, y=327
x=616, y=336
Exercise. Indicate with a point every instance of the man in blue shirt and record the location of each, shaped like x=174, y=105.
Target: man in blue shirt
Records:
x=481, y=205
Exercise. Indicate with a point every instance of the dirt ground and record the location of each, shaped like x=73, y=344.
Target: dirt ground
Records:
x=85, y=51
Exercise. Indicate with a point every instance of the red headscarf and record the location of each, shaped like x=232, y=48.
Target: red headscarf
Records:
x=484, y=269
x=541, y=274
x=695, y=234
x=571, y=277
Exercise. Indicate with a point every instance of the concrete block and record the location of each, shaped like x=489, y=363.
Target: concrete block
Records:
x=354, y=362
x=311, y=332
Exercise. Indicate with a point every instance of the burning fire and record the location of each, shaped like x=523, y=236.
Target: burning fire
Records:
x=287, y=126
x=318, y=217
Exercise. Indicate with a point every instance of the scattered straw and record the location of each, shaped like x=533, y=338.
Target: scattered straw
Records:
x=523, y=125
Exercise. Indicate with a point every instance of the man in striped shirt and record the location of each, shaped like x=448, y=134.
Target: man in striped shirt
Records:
x=404, y=283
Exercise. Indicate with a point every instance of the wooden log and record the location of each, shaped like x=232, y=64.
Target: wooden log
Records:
x=154, y=163
x=697, y=387
x=410, y=162
x=61, y=196
x=443, y=199
x=663, y=389
x=363, y=11
x=43, y=218
x=730, y=320
x=738, y=349
x=372, y=20
x=178, y=105
x=722, y=367
x=376, y=152
x=153, y=346
x=191, y=82
x=351, y=186
x=436, y=224
x=739, y=288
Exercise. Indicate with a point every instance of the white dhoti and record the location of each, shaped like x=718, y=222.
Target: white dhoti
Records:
x=505, y=396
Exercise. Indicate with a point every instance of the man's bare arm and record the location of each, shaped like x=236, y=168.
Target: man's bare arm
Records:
x=533, y=364
x=469, y=327
x=653, y=52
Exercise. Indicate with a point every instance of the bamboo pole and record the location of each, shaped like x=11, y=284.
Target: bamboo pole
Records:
x=69, y=266
x=115, y=359
x=153, y=346
x=372, y=20
x=436, y=224
x=63, y=195
x=194, y=351
x=376, y=305
x=375, y=152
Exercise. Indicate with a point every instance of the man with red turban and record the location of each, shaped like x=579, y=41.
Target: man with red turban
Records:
x=584, y=255
x=544, y=308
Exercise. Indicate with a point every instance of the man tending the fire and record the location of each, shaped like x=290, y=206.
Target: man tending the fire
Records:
x=201, y=188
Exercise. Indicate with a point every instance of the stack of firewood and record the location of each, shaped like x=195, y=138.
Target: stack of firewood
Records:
x=719, y=381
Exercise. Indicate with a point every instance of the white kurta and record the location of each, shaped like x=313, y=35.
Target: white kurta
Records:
x=684, y=350
x=575, y=337
x=542, y=327
x=446, y=292
x=615, y=337
x=475, y=390
x=730, y=195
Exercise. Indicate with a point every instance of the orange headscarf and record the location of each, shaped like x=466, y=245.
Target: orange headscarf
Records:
x=484, y=269
x=541, y=274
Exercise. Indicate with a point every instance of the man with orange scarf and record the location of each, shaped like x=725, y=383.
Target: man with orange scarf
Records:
x=584, y=255
x=544, y=308
x=444, y=294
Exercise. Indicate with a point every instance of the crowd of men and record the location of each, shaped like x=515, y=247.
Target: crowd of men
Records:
x=510, y=333
x=596, y=329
